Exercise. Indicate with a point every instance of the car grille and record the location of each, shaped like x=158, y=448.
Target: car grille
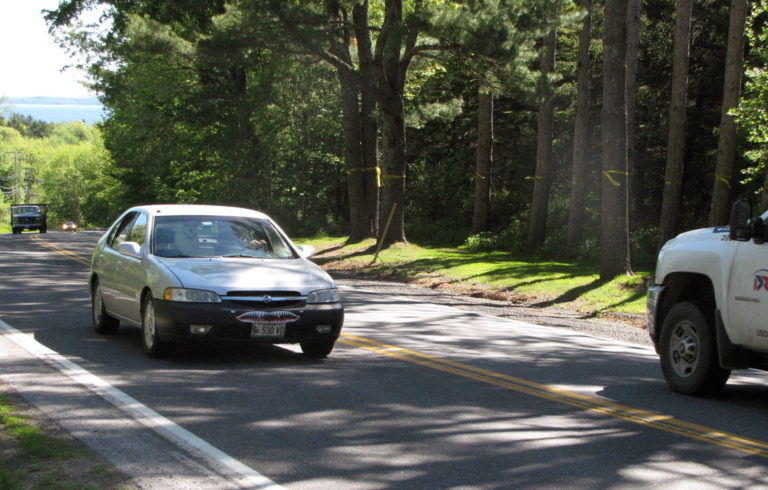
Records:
x=27, y=221
x=265, y=299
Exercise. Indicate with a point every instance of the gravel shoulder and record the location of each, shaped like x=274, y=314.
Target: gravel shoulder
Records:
x=624, y=328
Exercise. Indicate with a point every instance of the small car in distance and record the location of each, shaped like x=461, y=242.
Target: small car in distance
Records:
x=68, y=226
x=202, y=273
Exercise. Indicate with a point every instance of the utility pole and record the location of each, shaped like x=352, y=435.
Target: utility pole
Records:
x=18, y=177
x=28, y=180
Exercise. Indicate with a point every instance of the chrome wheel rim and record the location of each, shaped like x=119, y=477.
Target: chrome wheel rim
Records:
x=684, y=348
x=98, y=304
x=149, y=325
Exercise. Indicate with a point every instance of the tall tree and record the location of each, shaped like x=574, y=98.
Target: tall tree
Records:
x=576, y=210
x=752, y=116
x=537, y=226
x=484, y=160
x=394, y=52
x=673, y=175
x=369, y=137
x=613, y=243
x=726, y=146
x=634, y=10
x=339, y=41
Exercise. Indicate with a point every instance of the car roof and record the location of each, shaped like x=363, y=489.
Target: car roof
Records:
x=198, y=210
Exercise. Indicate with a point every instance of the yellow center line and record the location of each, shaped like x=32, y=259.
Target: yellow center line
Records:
x=60, y=251
x=639, y=416
x=656, y=420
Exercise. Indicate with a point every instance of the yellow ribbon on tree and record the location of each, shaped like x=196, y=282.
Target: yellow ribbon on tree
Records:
x=392, y=176
x=724, y=179
x=379, y=183
x=615, y=182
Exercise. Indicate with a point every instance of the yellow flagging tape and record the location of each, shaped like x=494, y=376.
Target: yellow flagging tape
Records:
x=723, y=179
x=392, y=176
x=615, y=182
x=379, y=183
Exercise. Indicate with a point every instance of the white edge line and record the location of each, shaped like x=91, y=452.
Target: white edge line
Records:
x=140, y=412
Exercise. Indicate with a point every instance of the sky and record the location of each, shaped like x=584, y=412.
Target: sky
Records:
x=30, y=59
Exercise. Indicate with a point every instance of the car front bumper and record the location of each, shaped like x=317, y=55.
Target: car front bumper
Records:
x=174, y=320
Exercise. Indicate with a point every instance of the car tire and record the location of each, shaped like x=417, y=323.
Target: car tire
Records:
x=688, y=352
x=317, y=350
x=154, y=346
x=102, y=322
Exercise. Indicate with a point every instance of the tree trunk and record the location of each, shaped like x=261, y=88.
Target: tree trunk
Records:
x=537, y=226
x=613, y=242
x=484, y=159
x=673, y=175
x=390, y=77
x=576, y=210
x=369, y=126
x=726, y=146
x=393, y=170
x=630, y=83
x=339, y=37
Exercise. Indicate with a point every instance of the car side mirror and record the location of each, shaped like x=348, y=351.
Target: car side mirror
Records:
x=306, y=251
x=739, y=222
x=131, y=249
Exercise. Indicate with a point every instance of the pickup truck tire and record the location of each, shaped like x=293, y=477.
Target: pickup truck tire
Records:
x=688, y=351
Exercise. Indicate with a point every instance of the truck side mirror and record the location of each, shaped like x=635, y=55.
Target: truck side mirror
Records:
x=741, y=212
x=757, y=230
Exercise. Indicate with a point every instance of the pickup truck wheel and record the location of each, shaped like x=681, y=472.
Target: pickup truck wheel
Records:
x=102, y=322
x=688, y=352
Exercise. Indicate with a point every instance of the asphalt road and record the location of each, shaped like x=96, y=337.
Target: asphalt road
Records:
x=415, y=395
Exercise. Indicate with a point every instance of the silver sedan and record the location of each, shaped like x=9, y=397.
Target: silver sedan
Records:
x=199, y=273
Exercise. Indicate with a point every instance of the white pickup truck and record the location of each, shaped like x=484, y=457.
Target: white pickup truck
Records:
x=708, y=306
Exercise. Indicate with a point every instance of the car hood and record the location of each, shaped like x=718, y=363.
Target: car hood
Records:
x=252, y=274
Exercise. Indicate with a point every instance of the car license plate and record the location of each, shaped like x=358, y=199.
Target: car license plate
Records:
x=268, y=330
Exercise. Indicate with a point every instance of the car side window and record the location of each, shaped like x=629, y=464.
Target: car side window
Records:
x=138, y=232
x=122, y=230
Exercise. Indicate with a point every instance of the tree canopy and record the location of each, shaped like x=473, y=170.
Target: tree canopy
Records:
x=330, y=114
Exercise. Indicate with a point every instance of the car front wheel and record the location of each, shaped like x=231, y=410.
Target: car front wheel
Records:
x=317, y=349
x=154, y=346
x=102, y=322
x=688, y=352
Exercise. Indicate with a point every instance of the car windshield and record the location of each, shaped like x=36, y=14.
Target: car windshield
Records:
x=25, y=210
x=217, y=236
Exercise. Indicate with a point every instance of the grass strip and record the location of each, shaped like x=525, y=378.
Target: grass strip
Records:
x=532, y=281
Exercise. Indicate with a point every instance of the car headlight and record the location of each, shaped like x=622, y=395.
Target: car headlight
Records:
x=324, y=296
x=191, y=295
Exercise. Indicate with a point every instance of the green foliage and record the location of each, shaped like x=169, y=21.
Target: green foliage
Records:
x=69, y=170
x=27, y=125
x=226, y=102
x=751, y=114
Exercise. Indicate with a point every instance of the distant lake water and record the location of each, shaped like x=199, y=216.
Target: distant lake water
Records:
x=54, y=113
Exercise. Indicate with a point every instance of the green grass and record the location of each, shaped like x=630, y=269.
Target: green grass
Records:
x=574, y=284
x=34, y=457
x=5, y=228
